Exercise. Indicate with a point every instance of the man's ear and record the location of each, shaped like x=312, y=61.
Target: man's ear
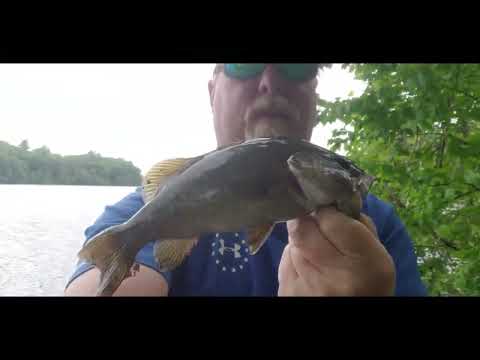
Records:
x=211, y=91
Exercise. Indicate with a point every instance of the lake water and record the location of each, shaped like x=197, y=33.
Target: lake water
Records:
x=42, y=229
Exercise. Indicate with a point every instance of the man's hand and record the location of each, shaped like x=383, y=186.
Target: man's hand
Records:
x=331, y=254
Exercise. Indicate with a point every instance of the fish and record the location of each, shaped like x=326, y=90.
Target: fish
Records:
x=251, y=185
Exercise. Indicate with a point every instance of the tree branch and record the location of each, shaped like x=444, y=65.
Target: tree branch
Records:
x=474, y=98
x=464, y=194
x=394, y=198
x=459, y=196
x=463, y=92
x=474, y=186
x=445, y=123
x=446, y=242
x=442, y=148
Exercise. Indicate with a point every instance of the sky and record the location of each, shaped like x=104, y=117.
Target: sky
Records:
x=142, y=113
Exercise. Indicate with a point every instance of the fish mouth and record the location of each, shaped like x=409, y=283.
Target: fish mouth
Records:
x=299, y=161
x=295, y=186
x=293, y=162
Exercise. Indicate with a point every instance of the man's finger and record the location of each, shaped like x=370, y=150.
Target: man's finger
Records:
x=365, y=220
x=348, y=235
x=304, y=234
x=286, y=269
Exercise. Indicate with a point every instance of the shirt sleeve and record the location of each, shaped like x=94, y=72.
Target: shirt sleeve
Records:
x=114, y=215
x=397, y=241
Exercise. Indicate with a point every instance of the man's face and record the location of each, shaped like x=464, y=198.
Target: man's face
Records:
x=266, y=105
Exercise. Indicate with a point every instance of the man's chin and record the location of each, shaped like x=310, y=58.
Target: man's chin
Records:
x=270, y=128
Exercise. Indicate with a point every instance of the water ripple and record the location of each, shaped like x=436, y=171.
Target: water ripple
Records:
x=39, y=242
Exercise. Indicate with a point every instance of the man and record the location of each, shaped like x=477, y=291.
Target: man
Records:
x=323, y=254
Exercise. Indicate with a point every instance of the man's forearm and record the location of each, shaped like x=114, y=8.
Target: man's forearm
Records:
x=142, y=281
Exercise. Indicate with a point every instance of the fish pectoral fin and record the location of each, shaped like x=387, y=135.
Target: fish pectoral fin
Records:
x=170, y=253
x=257, y=236
x=157, y=175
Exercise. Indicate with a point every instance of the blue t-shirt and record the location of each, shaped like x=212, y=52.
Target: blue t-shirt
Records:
x=220, y=265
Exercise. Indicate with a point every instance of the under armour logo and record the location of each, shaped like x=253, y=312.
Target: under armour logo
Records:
x=238, y=249
x=235, y=249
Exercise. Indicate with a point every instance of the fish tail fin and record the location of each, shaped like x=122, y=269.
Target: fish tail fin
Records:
x=112, y=253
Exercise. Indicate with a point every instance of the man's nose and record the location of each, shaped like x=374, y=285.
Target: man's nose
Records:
x=270, y=81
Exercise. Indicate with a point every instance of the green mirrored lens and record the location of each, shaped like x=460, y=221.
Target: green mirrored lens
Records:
x=298, y=72
x=243, y=71
x=294, y=72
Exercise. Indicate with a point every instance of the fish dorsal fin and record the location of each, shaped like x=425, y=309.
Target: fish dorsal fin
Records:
x=160, y=172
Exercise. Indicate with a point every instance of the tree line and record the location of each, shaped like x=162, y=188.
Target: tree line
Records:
x=21, y=165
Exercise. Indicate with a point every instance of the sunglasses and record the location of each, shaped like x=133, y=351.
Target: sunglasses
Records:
x=292, y=72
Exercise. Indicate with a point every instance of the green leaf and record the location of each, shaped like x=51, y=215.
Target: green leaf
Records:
x=421, y=79
x=396, y=139
x=472, y=177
